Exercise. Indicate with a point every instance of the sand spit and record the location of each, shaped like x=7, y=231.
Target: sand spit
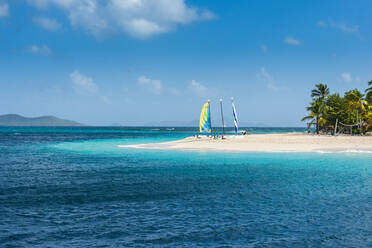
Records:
x=287, y=142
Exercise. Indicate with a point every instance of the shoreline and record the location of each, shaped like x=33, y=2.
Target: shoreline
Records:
x=271, y=143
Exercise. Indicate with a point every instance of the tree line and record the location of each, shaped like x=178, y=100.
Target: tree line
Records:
x=333, y=113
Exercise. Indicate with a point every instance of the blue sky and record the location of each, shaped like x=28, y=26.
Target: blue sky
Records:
x=139, y=61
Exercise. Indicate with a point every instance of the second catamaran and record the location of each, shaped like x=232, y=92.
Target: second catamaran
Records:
x=235, y=116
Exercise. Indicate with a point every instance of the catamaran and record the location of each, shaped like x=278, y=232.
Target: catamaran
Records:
x=235, y=116
x=205, y=124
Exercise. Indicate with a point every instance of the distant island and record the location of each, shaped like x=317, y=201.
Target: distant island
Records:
x=18, y=120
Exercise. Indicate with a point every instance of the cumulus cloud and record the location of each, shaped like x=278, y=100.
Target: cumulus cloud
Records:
x=343, y=27
x=266, y=77
x=138, y=18
x=47, y=23
x=154, y=86
x=346, y=77
x=4, y=10
x=143, y=28
x=292, y=41
x=40, y=50
x=82, y=84
x=198, y=89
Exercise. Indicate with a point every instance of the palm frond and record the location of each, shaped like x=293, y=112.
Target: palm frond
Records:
x=309, y=117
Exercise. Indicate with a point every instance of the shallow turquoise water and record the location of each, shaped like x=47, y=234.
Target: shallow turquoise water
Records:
x=75, y=187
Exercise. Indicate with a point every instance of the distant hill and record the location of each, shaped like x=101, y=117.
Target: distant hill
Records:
x=18, y=120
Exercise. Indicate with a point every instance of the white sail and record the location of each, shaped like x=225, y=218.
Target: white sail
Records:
x=235, y=116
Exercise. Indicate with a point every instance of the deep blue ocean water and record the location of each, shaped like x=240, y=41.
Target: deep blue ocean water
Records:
x=74, y=187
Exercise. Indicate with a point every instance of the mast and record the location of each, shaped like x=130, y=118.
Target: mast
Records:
x=210, y=118
x=223, y=123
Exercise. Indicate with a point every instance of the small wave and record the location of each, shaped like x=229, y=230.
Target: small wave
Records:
x=234, y=136
x=358, y=151
x=345, y=151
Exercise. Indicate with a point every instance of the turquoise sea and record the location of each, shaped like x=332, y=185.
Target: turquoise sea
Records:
x=74, y=187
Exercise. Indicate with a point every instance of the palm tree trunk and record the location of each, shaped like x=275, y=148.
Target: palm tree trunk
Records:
x=357, y=119
x=317, y=125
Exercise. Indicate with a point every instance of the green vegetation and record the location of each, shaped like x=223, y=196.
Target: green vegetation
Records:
x=349, y=114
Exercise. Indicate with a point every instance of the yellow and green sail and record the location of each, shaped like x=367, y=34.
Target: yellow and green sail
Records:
x=205, y=119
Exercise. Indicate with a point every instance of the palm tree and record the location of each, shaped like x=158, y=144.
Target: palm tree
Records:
x=356, y=102
x=368, y=120
x=320, y=92
x=369, y=92
x=369, y=101
x=316, y=111
x=318, y=105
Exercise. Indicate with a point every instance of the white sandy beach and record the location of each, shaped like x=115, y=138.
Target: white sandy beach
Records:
x=287, y=142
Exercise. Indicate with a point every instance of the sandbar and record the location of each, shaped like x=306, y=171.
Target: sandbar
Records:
x=283, y=142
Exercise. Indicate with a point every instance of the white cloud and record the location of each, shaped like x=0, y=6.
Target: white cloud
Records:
x=322, y=24
x=343, y=27
x=47, y=23
x=266, y=77
x=152, y=85
x=198, y=89
x=292, y=41
x=346, y=77
x=82, y=84
x=348, y=28
x=4, y=10
x=139, y=18
x=143, y=28
x=40, y=50
x=272, y=87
